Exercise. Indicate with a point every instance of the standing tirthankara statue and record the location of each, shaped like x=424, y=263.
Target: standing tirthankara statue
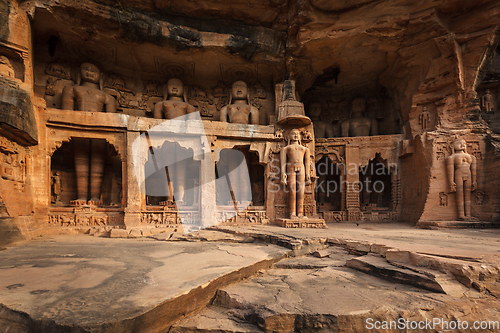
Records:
x=239, y=111
x=89, y=95
x=174, y=102
x=295, y=173
x=89, y=153
x=322, y=129
x=487, y=101
x=461, y=168
x=424, y=118
x=56, y=187
x=358, y=124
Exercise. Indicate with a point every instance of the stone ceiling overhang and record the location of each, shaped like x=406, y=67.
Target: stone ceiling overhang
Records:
x=362, y=46
x=135, y=44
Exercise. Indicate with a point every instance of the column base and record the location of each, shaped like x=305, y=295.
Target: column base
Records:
x=302, y=223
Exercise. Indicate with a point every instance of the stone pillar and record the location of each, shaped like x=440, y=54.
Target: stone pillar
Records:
x=342, y=185
x=352, y=182
x=136, y=200
x=207, y=188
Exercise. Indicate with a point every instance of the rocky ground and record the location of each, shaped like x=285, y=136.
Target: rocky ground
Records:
x=255, y=279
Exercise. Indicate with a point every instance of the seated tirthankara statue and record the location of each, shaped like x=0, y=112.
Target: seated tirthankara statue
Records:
x=295, y=173
x=461, y=169
x=239, y=111
x=88, y=97
x=174, y=103
x=322, y=129
x=359, y=125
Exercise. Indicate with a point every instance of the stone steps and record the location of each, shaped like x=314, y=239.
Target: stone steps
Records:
x=418, y=277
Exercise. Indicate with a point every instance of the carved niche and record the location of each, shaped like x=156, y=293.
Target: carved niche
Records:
x=12, y=162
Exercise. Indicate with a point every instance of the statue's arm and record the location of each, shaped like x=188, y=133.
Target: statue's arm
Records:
x=374, y=127
x=473, y=167
x=450, y=171
x=307, y=161
x=283, y=165
x=254, y=115
x=223, y=114
x=68, y=98
x=110, y=103
x=157, y=112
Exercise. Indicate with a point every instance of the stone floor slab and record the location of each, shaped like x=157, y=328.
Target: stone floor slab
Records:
x=116, y=283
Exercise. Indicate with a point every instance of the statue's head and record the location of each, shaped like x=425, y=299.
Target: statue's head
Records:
x=315, y=109
x=175, y=88
x=239, y=90
x=6, y=68
x=358, y=107
x=488, y=91
x=294, y=135
x=459, y=145
x=90, y=73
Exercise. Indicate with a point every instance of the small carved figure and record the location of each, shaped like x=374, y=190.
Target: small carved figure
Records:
x=278, y=134
x=174, y=102
x=67, y=221
x=295, y=172
x=6, y=68
x=89, y=95
x=424, y=117
x=115, y=81
x=479, y=198
x=306, y=136
x=322, y=129
x=487, y=101
x=60, y=70
x=443, y=199
x=221, y=96
x=56, y=187
x=259, y=91
x=50, y=89
x=199, y=100
x=6, y=169
x=461, y=169
x=358, y=124
x=239, y=111
x=151, y=89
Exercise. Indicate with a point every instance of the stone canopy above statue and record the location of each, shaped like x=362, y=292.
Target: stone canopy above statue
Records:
x=291, y=111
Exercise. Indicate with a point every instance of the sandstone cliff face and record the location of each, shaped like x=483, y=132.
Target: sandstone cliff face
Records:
x=406, y=57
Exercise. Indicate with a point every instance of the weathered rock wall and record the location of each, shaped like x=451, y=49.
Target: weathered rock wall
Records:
x=415, y=189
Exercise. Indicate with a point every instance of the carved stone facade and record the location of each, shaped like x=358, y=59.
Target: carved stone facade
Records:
x=387, y=105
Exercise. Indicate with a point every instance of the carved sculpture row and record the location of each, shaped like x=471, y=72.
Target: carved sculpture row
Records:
x=94, y=92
